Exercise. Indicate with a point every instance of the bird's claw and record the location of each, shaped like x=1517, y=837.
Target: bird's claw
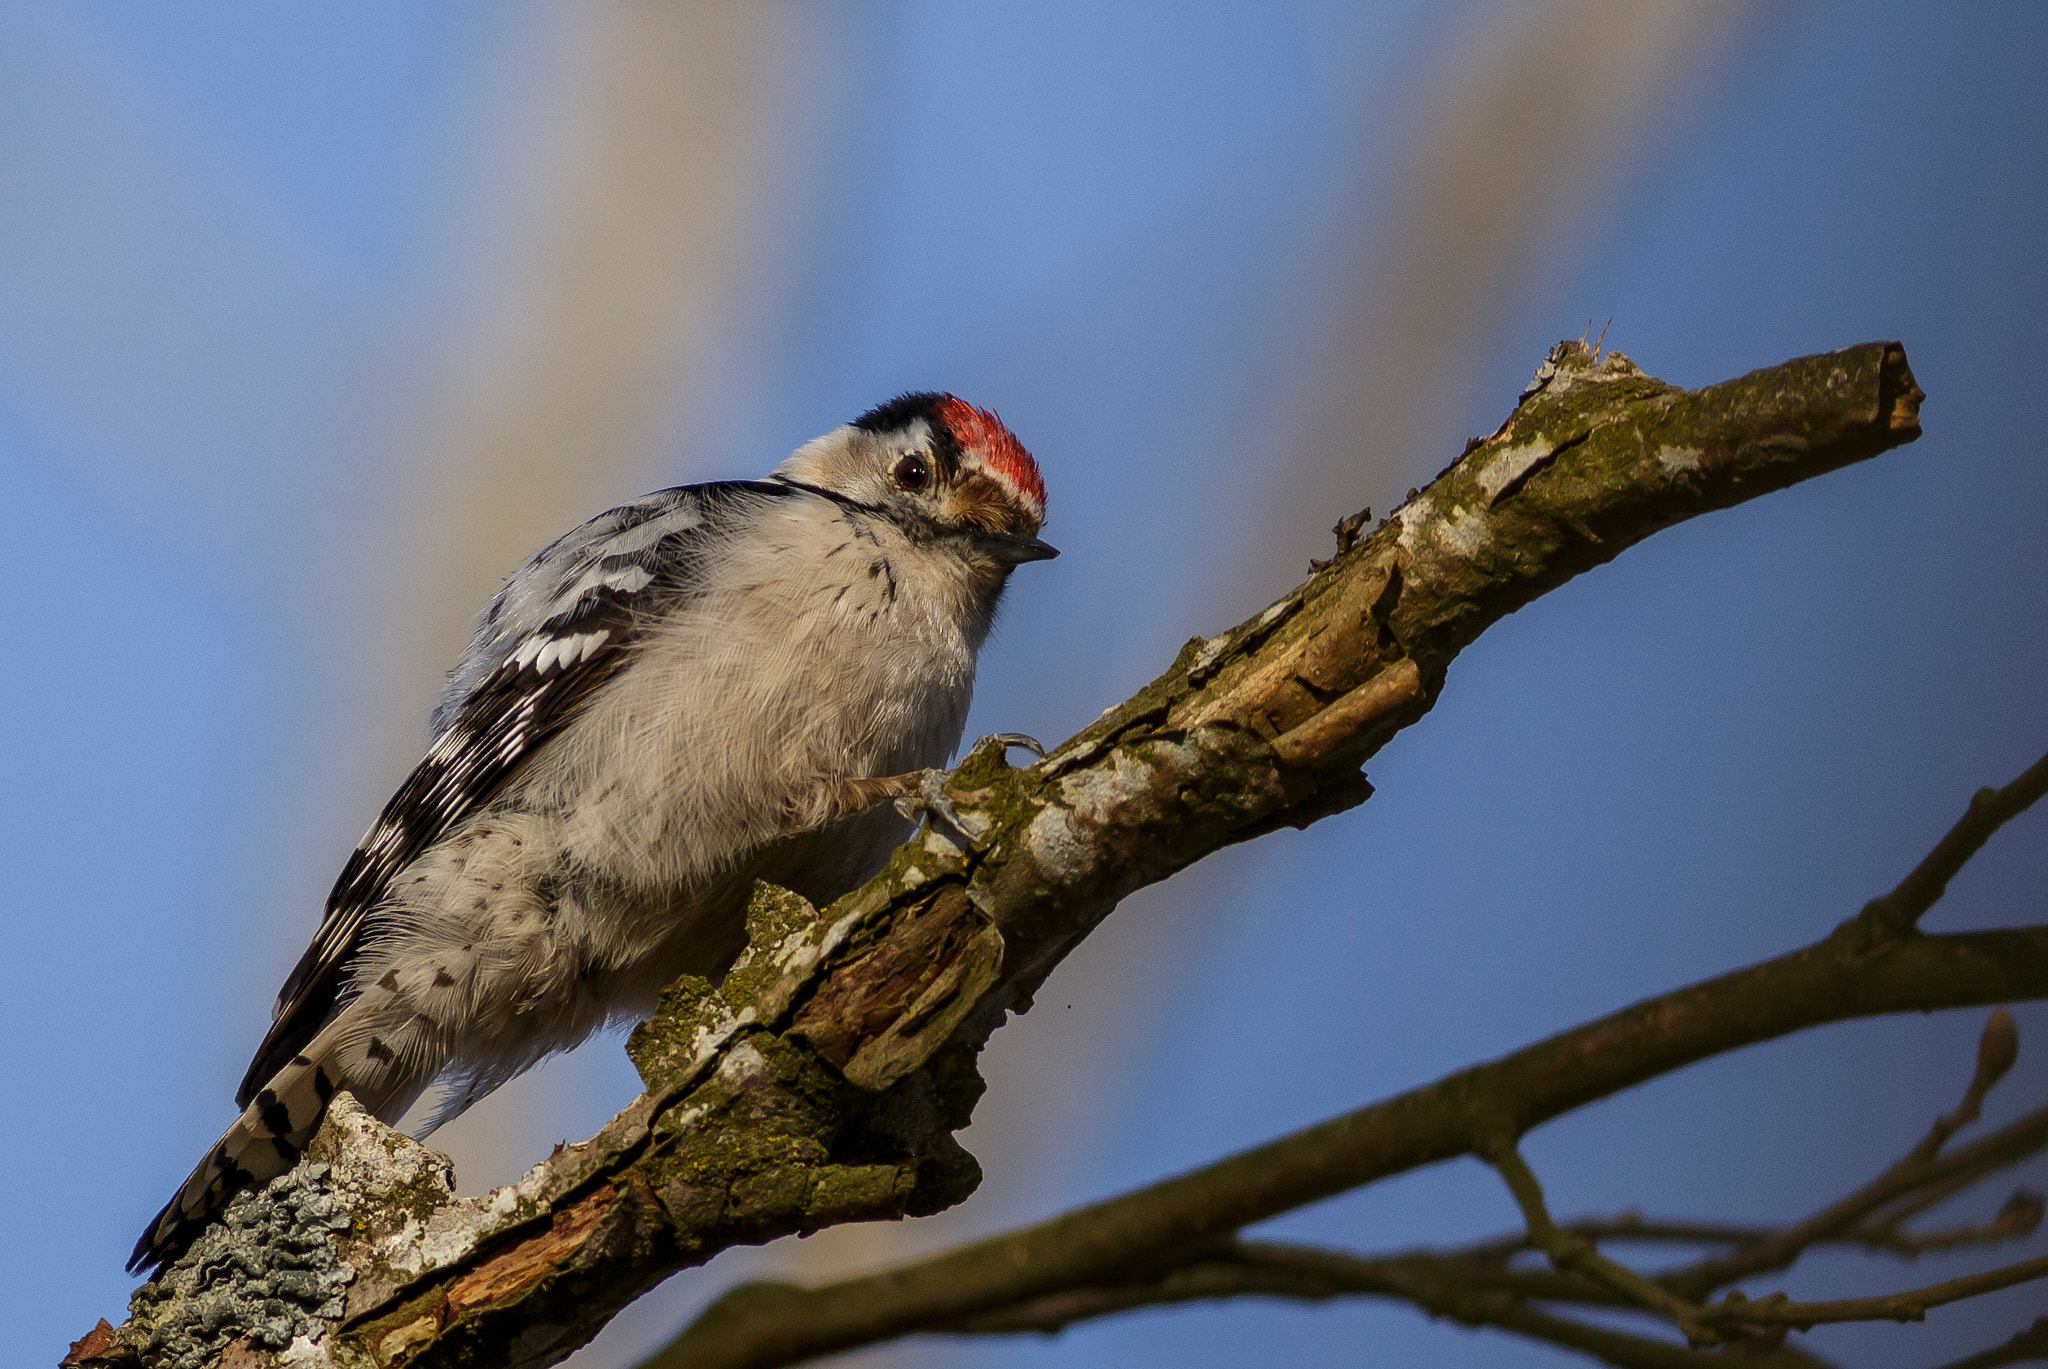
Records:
x=931, y=803
x=1019, y=740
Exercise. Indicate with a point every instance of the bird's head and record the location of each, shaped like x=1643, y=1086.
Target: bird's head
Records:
x=941, y=469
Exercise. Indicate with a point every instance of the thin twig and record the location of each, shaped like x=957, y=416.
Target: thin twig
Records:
x=2012, y=1142
x=1998, y=1045
x=1441, y=1285
x=1911, y=1305
x=2020, y=1216
x=1898, y=912
x=1575, y=1254
x=1899, y=1191
x=1900, y=1210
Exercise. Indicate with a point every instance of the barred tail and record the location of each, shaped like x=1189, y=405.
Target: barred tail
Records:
x=267, y=1139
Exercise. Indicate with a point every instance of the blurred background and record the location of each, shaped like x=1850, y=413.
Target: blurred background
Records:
x=315, y=319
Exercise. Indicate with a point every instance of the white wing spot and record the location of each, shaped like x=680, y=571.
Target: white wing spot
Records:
x=624, y=579
x=653, y=530
x=629, y=580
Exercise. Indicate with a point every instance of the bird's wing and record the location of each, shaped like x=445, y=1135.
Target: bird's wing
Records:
x=563, y=624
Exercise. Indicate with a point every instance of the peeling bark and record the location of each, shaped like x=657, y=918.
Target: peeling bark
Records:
x=822, y=1081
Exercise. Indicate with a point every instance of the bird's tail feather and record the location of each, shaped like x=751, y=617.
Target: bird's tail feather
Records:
x=267, y=1139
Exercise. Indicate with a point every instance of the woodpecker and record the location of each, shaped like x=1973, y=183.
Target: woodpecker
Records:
x=711, y=685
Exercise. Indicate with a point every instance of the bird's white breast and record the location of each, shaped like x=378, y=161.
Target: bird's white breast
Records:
x=824, y=647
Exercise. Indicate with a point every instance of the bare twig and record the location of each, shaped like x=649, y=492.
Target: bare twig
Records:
x=1938, y=1191
x=1472, y=1292
x=1998, y=1045
x=2020, y=1216
x=1898, y=912
x=1575, y=1254
x=1898, y=1192
x=1911, y=1305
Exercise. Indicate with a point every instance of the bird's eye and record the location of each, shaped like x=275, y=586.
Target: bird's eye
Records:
x=913, y=472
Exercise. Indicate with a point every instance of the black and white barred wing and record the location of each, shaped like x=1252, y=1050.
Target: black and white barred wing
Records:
x=563, y=624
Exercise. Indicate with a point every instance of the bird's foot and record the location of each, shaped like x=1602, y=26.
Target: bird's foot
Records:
x=929, y=800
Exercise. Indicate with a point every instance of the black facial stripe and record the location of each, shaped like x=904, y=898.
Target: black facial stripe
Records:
x=945, y=450
x=845, y=501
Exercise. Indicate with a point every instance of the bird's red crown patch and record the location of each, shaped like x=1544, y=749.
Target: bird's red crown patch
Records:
x=999, y=448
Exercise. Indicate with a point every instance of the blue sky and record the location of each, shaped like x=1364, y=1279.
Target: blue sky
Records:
x=1122, y=225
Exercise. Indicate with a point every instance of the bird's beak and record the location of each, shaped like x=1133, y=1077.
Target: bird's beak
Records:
x=1013, y=550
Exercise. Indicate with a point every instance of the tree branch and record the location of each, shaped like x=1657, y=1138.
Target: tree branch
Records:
x=1478, y=1110
x=1899, y=911
x=1471, y=1290
x=1572, y=1254
x=1901, y=1188
x=1912, y=1305
x=822, y=1081
x=763, y=1324
x=1476, y=1284
x=1241, y=1268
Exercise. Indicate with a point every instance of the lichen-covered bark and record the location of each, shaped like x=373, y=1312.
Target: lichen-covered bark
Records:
x=821, y=1083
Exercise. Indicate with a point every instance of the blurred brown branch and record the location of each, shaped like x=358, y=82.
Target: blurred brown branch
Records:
x=822, y=1081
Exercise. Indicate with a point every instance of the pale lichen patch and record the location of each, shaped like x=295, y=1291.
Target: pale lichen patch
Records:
x=1677, y=459
x=1463, y=533
x=1058, y=837
x=1274, y=613
x=1512, y=465
x=306, y=1352
x=1415, y=517
x=1212, y=651
x=743, y=1064
x=1054, y=843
